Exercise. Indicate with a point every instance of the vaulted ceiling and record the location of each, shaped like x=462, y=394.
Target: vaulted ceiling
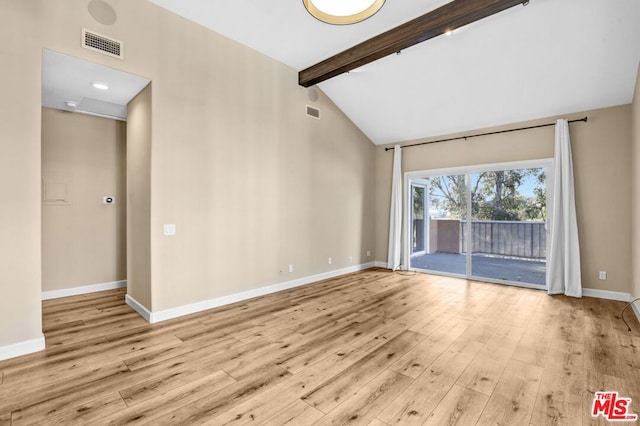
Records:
x=549, y=57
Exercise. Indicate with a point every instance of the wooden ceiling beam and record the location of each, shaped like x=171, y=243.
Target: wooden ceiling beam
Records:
x=452, y=15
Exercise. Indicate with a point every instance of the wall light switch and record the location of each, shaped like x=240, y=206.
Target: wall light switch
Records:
x=169, y=229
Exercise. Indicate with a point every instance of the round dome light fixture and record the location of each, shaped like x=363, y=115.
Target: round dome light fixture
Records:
x=102, y=12
x=342, y=12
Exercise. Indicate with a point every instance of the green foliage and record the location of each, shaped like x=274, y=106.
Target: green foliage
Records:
x=418, y=202
x=449, y=193
x=536, y=208
x=494, y=195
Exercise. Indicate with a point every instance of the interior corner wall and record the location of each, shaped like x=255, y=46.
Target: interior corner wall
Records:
x=635, y=170
x=252, y=183
x=139, y=198
x=602, y=168
x=20, y=282
x=84, y=242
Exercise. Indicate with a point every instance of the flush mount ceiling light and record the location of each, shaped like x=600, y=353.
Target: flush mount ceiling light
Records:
x=342, y=12
x=101, y=86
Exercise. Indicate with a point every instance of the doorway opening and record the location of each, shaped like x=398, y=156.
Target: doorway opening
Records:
x=84, y=175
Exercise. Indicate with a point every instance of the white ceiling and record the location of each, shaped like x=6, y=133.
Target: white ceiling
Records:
x=69, y=79
x=550, y=57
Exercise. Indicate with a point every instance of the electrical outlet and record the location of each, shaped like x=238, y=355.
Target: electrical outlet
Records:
x=330, y=261
x=350, y=260
x=368, y=253
x=169, y=229
x=291, y=267
x=602, y=275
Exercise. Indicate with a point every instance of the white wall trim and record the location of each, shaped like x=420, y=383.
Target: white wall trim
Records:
x=139, y=308
x=22, y=348
x=606, y=294
x=636, y=309
x=74, y=291
x=192, y=308
x=167, y=314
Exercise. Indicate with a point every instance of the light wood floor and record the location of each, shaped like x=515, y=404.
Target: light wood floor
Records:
x=371, y=348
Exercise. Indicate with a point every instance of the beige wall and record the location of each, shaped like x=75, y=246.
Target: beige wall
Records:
x=251, y=182
x=84, y=243
x=266, y=187
x=20, y=307
x=635, y=169
x=601, y=151
x=139, y=198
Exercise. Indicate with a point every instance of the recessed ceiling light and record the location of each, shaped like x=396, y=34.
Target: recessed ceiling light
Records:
x=71, y=104
x=101, y=86
x=342, y=12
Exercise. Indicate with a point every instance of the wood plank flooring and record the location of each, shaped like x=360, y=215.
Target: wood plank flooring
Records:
x=370, y=348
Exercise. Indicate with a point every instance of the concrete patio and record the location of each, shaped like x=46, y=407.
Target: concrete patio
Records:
x=531, y=271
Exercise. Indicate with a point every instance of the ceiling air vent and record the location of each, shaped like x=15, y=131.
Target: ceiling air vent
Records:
x=99, y=43
x=313, y=112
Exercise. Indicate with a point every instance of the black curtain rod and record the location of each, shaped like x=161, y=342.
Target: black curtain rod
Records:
x=585, y=119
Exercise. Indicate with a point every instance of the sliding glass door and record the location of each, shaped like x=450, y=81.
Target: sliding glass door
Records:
x=445, y=210
x=504, y=239
x=508, y=229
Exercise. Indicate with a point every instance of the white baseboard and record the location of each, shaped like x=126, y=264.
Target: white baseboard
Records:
x=192, y=308
x=74, y=291
x=613, y=295
x=139, y=308
x=606, y=294
x=636, y=309
x=167, y=314
x=22, y=348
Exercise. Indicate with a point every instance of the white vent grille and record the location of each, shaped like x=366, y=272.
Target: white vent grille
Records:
x=313, y=112
x=99, y=43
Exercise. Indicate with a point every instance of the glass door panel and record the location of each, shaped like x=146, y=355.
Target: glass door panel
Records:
x=445, y=210
x=418, y=202
x=507, y=227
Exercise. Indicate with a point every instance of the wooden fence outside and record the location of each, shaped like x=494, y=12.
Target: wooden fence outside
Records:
x=519, y=239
